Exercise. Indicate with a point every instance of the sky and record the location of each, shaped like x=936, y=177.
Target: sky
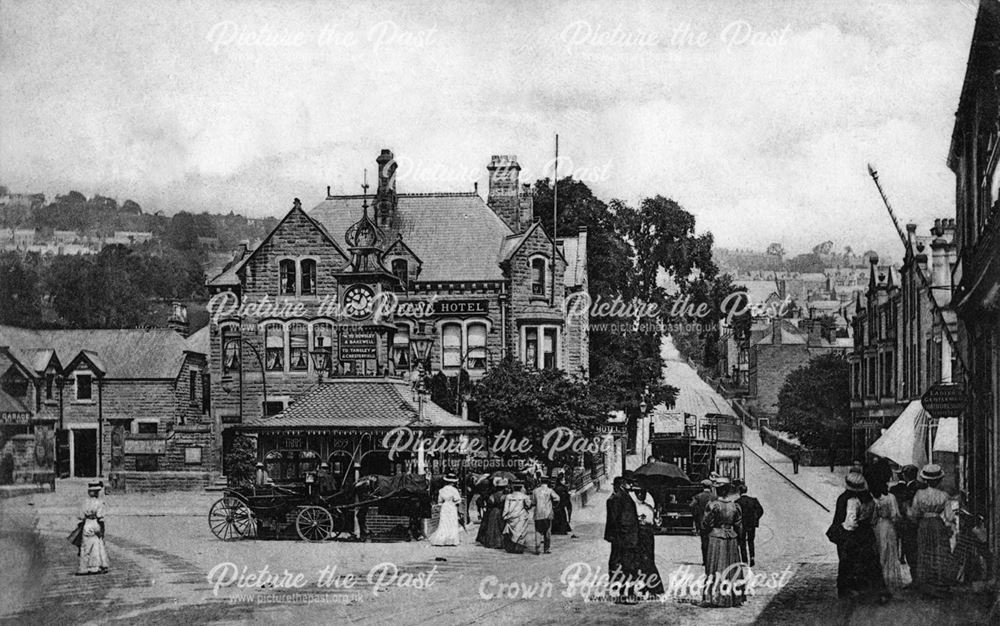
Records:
x=757, y=117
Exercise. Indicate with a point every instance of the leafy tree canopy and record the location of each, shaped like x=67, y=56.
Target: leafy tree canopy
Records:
x=814, y=402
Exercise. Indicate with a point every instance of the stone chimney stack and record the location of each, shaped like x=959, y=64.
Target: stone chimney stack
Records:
x=178, y=320
x=385, y=194
x=504, y=194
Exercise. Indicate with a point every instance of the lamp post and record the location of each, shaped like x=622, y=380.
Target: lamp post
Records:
x=227, y=380
x=321, y=358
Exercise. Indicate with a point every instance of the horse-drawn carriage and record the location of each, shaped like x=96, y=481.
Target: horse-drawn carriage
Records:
x=672, y=492
x=274, y=509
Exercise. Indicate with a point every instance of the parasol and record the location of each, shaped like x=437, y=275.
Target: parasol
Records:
x=660, y=470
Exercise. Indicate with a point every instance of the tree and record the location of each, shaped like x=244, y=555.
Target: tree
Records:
x=806, y=263
x=529, y=404
x=241, y=461
x=814, y=402
x=19, y=292
x=776, y=249
x=132, y=207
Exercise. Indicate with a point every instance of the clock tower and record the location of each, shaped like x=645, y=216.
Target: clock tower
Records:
x=365, y=342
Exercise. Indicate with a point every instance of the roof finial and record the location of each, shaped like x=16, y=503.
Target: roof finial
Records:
x=296, y=204
x=364, y=190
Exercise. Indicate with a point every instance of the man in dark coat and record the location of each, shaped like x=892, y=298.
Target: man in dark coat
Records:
x=563, y=509
x=621, y=530
x=878, y=475
x=752, y=512
x=904, y=491
x=698, y=504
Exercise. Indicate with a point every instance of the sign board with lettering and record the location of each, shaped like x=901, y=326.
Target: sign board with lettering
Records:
x=462, y=307
x=145, y=446
x=357, y=344
x=944, y=400
x=14, y=418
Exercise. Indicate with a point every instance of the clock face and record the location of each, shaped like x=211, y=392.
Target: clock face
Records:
x=358, y=301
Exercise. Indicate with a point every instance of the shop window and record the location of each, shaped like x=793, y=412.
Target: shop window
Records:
x=147, y=463
x=298, y=347
x=451, y=345
x=274, y=347
x=286, y=277
x=538, y=276
x=400, y=271
x=401, y=347
x=476, y=341
x=308, y=277
x=84, y=390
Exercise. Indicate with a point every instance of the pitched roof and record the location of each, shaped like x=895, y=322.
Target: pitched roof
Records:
x=360, y=403
x=199, y=341
x=10, y=404
x=123, y=353
x=456, y=235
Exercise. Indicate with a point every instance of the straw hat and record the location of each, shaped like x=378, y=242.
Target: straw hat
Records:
x=856, y=482
x=931, y=471
x=722, y=480
x=95, y=486
x=500, y=481
x=450, y=477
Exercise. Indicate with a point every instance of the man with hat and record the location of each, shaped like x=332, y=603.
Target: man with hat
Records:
x=698, y=505
x=751, y=511
x=326, y=482
x=261, y=477
x=543, y=499
x=621, y=530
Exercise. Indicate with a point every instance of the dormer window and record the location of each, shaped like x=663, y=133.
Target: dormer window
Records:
x=400, y=270
x=84, y=387
x=538, y=276
x=287, y=277
x=308, y=277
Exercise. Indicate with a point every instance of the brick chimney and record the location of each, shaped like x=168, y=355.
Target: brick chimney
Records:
x=178, y=320
x=505, y=192
x=385, y=194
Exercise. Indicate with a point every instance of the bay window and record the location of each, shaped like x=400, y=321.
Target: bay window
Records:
x=549, y=349
x=540, y=346
x=476, y=346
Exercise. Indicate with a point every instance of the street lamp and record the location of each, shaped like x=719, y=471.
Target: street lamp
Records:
x=321, y=361
x=227, y=379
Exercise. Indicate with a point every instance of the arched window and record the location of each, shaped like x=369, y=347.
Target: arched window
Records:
x=230, y=348
x=401, y=347
x=538, y=276
x=476, y=346
x=298, y=347
x=451, y=345
x=286, y=285
x=274, y=347
x=308, y=277
x=400, y=270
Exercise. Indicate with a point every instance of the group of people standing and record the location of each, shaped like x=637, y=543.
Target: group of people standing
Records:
x=877, y=528
x=631, y=530
x=510, y=510
x=727, y=519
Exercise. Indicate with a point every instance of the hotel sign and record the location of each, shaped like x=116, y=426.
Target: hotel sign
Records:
x=357, y=345
x=461, y=307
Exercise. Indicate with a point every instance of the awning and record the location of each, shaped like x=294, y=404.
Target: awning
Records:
x=905, y=442
x=947, y=435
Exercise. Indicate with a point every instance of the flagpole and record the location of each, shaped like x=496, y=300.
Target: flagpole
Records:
x=555, y=218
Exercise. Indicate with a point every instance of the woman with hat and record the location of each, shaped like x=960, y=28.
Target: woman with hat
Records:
x=93, y=555
x=448, y=528
x=516, y=519
x=860, y=570
x=723, y=522
x=931, y=509
x=491, y=530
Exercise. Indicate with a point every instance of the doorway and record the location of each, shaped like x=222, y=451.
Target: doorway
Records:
x=84, y=457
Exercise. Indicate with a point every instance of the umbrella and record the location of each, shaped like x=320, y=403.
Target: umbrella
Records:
x=658, y=469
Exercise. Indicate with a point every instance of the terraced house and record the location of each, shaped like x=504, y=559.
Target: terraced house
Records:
x=321, y=369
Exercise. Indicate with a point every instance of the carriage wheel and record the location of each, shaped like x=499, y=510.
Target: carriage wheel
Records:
x=314, y=523
x=230, y=518
x=338, y=525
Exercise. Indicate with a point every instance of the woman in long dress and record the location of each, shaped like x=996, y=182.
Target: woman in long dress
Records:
x=491, y=530
x=447, y=533
x=860, y=570
x=723, y=521
x=93, y=555
x=646, y=547
x=887, y=516
x=931, y=508
x=516, y=520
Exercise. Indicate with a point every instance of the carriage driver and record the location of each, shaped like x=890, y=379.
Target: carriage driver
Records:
x=326, y=481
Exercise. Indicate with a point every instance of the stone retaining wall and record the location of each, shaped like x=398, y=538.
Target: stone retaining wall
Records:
x=132, y=482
